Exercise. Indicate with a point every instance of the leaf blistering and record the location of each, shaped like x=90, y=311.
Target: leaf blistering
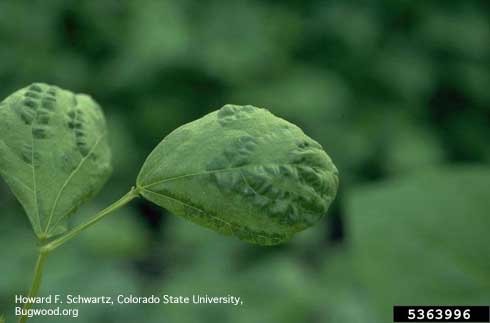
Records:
x=242, y=171
x=54, y=153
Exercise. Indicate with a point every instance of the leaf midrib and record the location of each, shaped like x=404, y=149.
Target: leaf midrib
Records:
x=34, y=177
x=194, y=174
x=212, y=172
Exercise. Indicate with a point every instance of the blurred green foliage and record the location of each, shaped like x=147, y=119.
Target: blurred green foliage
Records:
x=424, y=240
x=398, y=93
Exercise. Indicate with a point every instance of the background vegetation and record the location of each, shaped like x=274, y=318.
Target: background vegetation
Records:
x=398, y=93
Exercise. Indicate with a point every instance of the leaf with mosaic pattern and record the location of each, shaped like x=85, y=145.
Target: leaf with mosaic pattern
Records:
x=242, y=171
x=54, y=153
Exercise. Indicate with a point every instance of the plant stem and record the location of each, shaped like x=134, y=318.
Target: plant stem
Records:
x=47, y=248
x=132, y=194
x=36, y=282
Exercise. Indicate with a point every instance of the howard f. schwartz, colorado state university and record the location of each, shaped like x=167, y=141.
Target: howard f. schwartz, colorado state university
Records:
x=130, y=299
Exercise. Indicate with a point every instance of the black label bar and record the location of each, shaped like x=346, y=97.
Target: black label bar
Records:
x=441, y=314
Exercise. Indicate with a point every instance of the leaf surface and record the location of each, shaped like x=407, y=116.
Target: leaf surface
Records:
x=54, y=153
x=241, y=171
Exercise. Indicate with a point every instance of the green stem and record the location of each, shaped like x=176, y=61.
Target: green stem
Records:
x=36, y=282
x=77, y=230
x=47, y=248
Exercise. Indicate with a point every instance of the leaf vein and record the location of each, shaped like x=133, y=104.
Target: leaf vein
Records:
x=196, y=174
x=69, y=178
x=21, y=183
x=207, y=213
x=34, y=177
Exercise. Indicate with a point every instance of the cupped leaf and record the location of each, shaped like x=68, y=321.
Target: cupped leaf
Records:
x=241, y=171
x=54, y=153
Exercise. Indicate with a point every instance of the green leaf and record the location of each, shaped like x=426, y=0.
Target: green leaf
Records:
x=54, y=153
x=423, y=239
x=241, y=171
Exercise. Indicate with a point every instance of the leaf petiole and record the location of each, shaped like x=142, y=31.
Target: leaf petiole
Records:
x=132, y=194
x=47, y=248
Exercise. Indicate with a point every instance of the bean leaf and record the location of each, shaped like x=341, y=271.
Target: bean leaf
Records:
x=241, y=171
x=54, y=153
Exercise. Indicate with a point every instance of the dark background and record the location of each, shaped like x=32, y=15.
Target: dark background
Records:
x=397, y=92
